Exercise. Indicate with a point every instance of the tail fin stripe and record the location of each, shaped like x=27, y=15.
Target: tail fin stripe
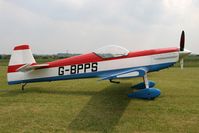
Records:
x=22, y=47
x=13, y=68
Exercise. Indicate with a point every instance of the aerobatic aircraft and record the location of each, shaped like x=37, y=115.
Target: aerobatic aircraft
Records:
x=108, y=63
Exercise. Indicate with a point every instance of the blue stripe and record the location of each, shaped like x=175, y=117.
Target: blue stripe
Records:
x=150, y=68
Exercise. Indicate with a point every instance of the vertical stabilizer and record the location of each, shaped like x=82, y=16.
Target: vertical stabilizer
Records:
x=21, y=55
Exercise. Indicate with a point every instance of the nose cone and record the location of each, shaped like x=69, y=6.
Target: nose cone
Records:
x=184, y=53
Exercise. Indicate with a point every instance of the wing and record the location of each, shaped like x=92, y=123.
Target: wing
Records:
x=29, y=67
x=130, y=73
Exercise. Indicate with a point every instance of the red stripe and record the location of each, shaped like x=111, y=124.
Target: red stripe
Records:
x=13, y=68
x=85, y=58
x=22, y=47
x=152, y=52
x=91, y=57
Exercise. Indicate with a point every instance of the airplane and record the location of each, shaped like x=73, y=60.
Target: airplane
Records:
x=107, y=63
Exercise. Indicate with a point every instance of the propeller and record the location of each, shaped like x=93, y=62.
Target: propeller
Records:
x=183, y=52
x=182, y=40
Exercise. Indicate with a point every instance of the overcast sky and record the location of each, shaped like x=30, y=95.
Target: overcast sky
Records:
x=79, y=26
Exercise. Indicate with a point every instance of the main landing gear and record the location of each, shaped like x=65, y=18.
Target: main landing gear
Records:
x=145, y=90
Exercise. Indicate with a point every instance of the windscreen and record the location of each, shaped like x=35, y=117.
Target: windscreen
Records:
x=111, y=51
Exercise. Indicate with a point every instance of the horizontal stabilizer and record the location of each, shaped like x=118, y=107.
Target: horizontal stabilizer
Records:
x=29, y=67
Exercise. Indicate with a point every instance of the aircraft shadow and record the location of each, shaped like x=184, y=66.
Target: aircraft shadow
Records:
x=103, y=111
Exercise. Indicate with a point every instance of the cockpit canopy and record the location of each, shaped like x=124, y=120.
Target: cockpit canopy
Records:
x=111, y=51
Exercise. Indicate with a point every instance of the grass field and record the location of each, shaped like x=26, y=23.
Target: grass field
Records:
x=97, y=106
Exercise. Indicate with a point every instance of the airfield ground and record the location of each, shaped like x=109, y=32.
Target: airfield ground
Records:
x=89, y=105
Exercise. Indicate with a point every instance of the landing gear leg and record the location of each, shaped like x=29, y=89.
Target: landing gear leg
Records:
x=146, y=82
x=23, y=86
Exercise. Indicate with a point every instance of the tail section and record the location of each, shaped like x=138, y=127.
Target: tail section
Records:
x=21, y=56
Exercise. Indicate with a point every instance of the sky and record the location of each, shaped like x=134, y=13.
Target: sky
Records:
x=80, y=26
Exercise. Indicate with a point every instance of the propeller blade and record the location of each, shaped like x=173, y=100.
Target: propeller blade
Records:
x=182, y=40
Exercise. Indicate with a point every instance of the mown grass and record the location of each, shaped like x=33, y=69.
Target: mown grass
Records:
x=97, y=106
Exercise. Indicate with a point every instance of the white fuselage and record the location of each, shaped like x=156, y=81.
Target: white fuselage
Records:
x=151, y=62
